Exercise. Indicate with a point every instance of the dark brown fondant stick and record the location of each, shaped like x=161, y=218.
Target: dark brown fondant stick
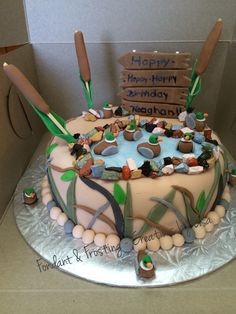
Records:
x=30, y=93
x=82, y=58
x=209, y=47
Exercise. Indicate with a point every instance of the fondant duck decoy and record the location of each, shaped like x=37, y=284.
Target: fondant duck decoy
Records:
x=29, y=196
x=132, y=132
x=106, y=111
x=108, y=146
x=150, y=149
x=146, y=267
x=185, y=145
x=200, y=121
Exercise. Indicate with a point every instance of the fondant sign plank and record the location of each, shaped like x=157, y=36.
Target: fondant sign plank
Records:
x=153, y=109
x=175, y=95
x=156, y=78
x=155, y=60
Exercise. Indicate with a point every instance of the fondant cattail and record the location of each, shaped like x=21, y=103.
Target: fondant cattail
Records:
x=207, y=52
x=32, y=95
x=82, y=58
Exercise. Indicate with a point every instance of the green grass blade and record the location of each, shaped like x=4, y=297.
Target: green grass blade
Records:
x=213, y=188
x=128, y=213
x=193, y=218
x=156, y=213
x=70, y=209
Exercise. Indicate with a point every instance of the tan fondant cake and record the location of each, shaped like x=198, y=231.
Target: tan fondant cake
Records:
x=154, y=202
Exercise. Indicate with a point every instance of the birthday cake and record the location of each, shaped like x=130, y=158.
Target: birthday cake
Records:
x=107, y=189
x=149, y=174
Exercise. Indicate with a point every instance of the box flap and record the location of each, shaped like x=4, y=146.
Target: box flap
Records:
x=12, y=23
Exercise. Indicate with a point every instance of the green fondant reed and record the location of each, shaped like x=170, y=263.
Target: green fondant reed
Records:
x=224, y=155
x=88, y=95
x=70, y=209
x=119, y=194
x=193, y=217
x=52, y=127
x=68, y=175
x=174, y=209
x=128, y=213
x=156, y=213
x=55, y=191
x=213, y=188
x=51, y=148
x=119, y=219
x=201, y=201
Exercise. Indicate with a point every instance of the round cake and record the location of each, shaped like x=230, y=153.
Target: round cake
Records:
x=106, y=188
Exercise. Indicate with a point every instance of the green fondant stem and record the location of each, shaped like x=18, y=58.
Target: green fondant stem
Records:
x=70, y=210
x=55, y=191
x=156, y=213
x=213, y=188
x=224, y=155
x=174, y=209
x=128, y=212
x=119, y=219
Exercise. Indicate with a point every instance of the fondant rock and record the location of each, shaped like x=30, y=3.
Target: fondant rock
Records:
x=110, y=175
x=182, y=168
x=97, y=170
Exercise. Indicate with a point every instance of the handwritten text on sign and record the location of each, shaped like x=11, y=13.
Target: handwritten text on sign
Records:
x=155, y=78
x=152, y=60
x=153, y=109
x=155, y=83
x=150, y=94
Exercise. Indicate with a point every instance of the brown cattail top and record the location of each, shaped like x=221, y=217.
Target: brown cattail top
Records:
x=25, y=87
x=82, y=56
x=209, y=47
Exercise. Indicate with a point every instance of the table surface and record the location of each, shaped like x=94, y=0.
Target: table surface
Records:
x=24, y=289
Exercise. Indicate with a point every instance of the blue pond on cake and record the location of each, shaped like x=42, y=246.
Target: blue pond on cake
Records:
x=128, y=149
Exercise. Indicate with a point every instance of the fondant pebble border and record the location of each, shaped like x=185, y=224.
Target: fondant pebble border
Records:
x=151, y=243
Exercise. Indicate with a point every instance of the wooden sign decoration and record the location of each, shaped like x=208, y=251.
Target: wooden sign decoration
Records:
x=155, y=78
x=155, y=84
x=153, y=109
x=171, y=95
x=155, y=60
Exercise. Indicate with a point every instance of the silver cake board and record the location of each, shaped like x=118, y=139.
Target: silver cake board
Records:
x=114, y=268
